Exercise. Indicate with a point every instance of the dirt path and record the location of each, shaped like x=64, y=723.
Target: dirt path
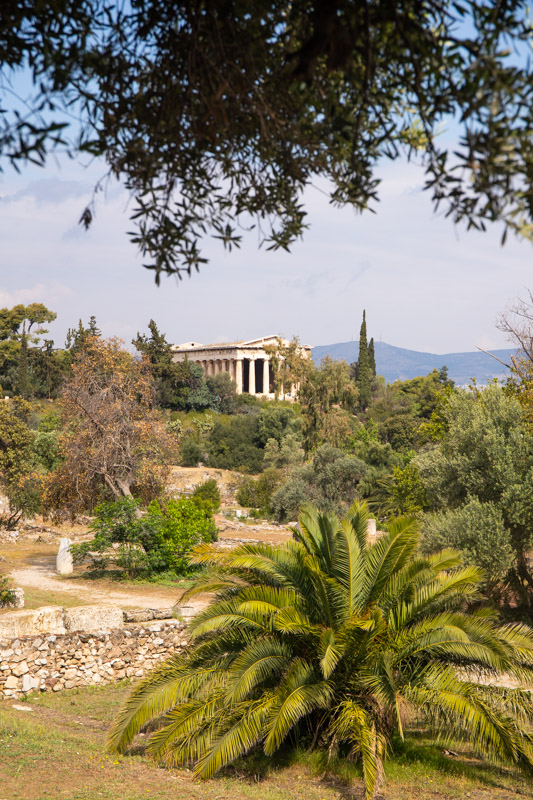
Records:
x=42, y=576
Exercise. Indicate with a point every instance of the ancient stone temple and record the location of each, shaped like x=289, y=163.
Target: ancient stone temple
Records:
x=246, y=362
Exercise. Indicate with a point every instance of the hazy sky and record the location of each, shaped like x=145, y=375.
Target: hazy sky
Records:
x=426, y=284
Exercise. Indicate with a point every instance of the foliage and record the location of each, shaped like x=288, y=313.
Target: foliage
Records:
x=18, y=346
x=233, y=444
x=208, y=492
x=16, y=441
x=190, y=452
x=258, y=492
x=7, y=593
x=407, y=492
x=224, y=392
x=183, y=523
x=157, y=541
x=478, y=529
x=330, y=481
x=289, y=366
x=286, y=454
x=212, y=115
x=484, y=455
x=328, y=400
x=111, y=430
x=364, y=369
x=335, y=641
x=404, y=410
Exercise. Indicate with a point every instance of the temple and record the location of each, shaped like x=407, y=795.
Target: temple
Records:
x=246, y=362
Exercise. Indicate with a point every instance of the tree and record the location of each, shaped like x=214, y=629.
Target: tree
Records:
x=224, y=392
x=479, y=481
x=16, y=461
x=363, y=367
x=328, y=400
x=159, y=353
x=289, y=364
x=18, y=342
x=335, y=641
x=372, y=358
x=22, y=385
x=76, y=337
x=212, y=112
x=112, y=433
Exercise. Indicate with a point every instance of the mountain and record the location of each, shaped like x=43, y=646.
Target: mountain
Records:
x=396, y=363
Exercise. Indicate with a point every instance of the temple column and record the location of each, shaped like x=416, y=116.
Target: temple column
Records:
x=251, y=376
x=266, y=377
x=238, y=375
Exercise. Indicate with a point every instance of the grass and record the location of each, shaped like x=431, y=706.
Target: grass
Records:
x=35, y=598
x=58, y=751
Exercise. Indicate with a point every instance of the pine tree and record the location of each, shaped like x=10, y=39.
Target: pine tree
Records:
x=372, y=358
x=363, y=367
x=93, y=329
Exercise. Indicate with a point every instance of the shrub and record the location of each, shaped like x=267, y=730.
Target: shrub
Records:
x=7, y=594
x=208, y=492
x=183, y=523
x=232, y=444
x=158, y=541
x=257, y=493
x=190, y=451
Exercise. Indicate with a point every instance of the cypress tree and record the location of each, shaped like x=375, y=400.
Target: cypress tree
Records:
x=372, y=358
x=363, y=367
x=23, y=373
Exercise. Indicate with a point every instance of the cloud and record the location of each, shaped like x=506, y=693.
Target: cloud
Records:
x=49, y=294
x=50, y=191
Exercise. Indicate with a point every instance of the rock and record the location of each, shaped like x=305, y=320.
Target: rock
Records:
x=11, y=682
x=19, y=598
x=22, y=708
x=29, y=683
x=64, y=557
x=20, y=669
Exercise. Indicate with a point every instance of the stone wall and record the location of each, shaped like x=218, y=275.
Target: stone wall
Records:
x=84, y=658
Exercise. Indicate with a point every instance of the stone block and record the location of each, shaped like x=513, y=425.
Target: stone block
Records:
x=28, y=623
x=11, y=682
x=64, y=557
x=92, y=618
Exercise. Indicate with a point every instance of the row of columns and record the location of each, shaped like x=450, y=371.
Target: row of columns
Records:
x=235, y=368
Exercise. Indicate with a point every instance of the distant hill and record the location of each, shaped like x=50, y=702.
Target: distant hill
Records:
x=396, y=363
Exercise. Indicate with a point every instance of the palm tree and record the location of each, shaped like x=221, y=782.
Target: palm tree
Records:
x=335, y=639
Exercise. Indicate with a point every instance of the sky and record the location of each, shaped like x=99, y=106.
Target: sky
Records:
x=425, y=283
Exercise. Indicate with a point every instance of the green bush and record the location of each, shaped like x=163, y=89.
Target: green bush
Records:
x=190, y=451
x=257, y=493
x=183, y=524
x=140, y=545
x=208, y=492
x=7, y=594
x=233, y=444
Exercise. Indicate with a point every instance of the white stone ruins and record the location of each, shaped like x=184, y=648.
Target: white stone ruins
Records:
x=246, y=362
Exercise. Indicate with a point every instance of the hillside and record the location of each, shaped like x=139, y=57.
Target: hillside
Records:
x=397, y=363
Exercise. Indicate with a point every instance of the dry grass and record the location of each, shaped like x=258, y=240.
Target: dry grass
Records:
x=57, y=751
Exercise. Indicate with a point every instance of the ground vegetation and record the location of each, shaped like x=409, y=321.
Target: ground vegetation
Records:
x=331, y=640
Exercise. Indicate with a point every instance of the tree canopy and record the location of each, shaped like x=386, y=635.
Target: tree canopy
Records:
x=217, y=115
